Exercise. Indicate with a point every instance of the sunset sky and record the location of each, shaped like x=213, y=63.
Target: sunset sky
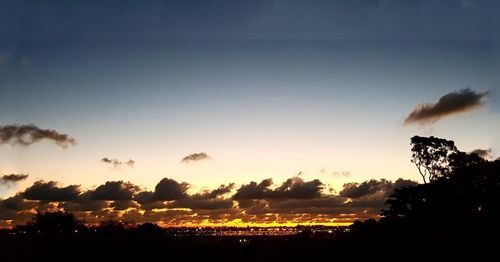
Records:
x=265, y=89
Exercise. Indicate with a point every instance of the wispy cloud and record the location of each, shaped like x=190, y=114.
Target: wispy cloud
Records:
x=25, y=135
x=195, y=157
x=8, y=181
x=130, y=163
x=342, y=173
x=117, y=163
x=12, y=178
x=449, y=104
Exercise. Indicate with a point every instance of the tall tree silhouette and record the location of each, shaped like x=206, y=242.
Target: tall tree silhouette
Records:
x=431, y=156
x=454, y=214
x=461, y=185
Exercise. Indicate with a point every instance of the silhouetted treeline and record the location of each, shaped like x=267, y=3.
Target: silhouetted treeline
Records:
x=453, y=216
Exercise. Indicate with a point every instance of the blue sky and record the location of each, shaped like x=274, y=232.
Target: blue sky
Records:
x=266, y=88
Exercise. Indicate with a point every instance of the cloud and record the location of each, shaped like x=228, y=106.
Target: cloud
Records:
x=26, y=135
x=324, y=202
x=123, y=204
x=85, y=203
x=8, y=181
x=195, y=203
x=294, y=200
x=295, y=187
x=117, y=163
x=167, y=189
x=130, y=163
x=222, y=190
x=254, y=190
x=195, y=157
x=484, y=153
x=342, y=173
x=449, y=104
x=49, y=191
x=114, y=190
x=371, y=187
x=12, y=178
x=356, y=190
x=10, y=207
x=292, y=188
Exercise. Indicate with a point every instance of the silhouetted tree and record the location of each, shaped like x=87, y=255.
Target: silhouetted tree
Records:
x=112, y=226
x=53, y=222
x=149, y=229
x=461, y=184
x=431, y=156
x=456, y=212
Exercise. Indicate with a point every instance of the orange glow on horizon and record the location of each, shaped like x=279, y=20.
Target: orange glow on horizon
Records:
x=241, y=224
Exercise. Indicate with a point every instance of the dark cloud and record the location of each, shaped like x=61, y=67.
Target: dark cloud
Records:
x=404, y=183
x=296, y=188
x=10, y=207
x=117, y=163
x=114, y=162
x=484, y=153
x=449, y=104
x=195, y=157
x=85, y=203
x=222, y=190
x=12, y=178
x=167, y=189
x=146, y=197
x=371, y=187
x=292, y=188
x=355, y=190
x=254, y=190
x=195, y=203
x=17, y=203
x=325, y=202
x=49, y=191
x=293, y=200
x=123, y=204
x=114, y=190
x=26, y=135
x=8, y=181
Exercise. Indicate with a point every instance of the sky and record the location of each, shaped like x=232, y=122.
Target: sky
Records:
x=220, y=92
